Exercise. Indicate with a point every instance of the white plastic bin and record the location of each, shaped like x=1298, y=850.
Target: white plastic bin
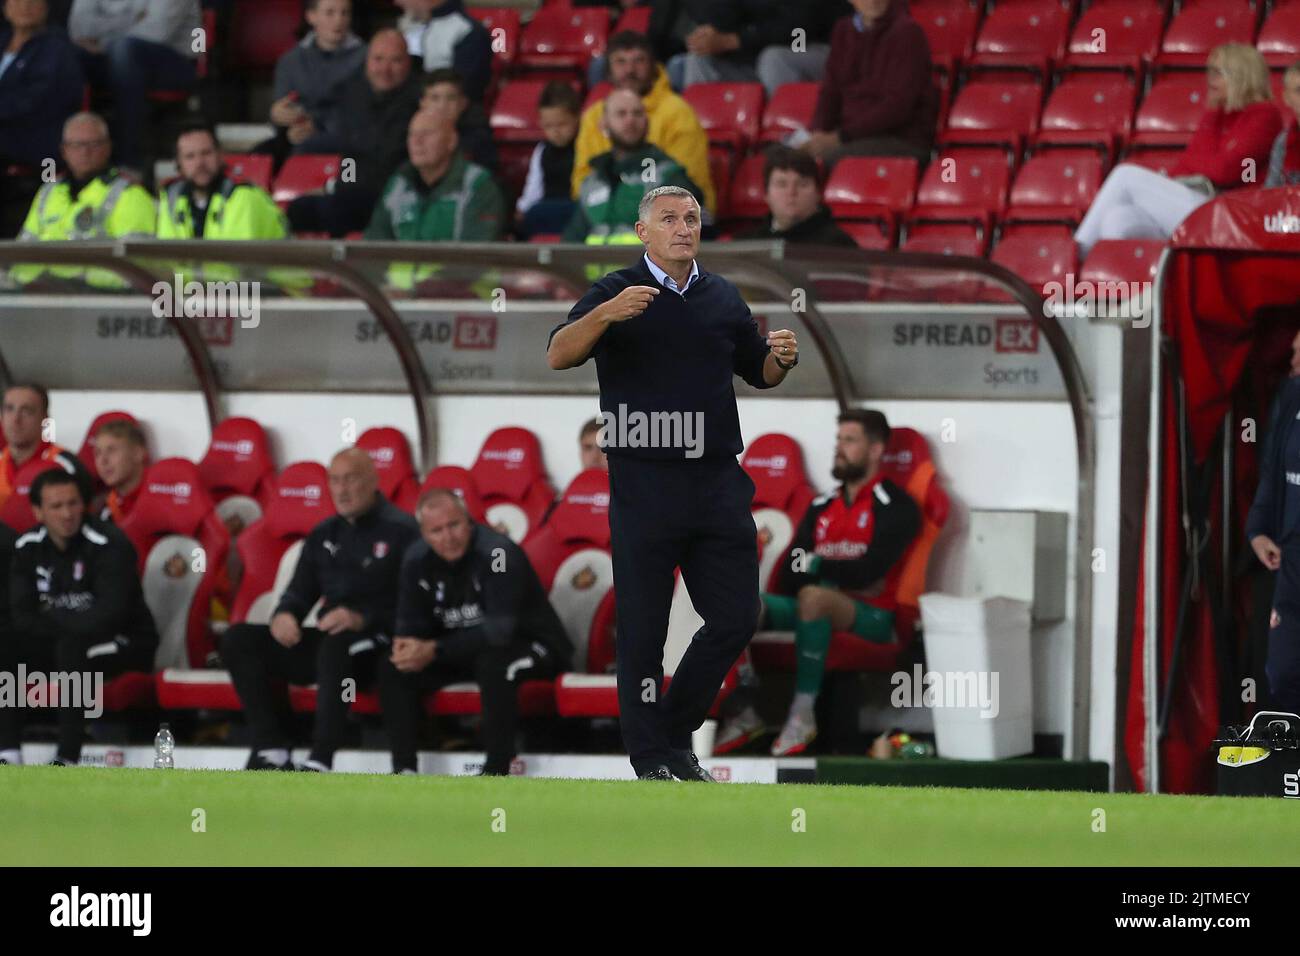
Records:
x=978, y=676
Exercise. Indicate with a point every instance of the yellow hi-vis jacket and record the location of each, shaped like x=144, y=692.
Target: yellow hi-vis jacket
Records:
x=235, y=211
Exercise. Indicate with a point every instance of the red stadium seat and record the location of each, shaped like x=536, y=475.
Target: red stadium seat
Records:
x=391, y=453
x=268, y=550
x=238, y=465
x=263, y=31
x=860, y=186
x=303, y=175
x=1038, y=256
x=87, y=452
x=720, y=173
x=1279, y=38
x=1162, y=160
x=782, y=492
x=868, y=235
x=505, y=44
x=17, y=510
x=1198, y=29
x=512, y=480
x=563, y=38
x=636, y=19
x=252, y=168
x=1170, y=112
x=944, y=238
x=1117, y=35
x=1088, y=110
x=748, y=191
x=1119, y=268
x=459, y=480
x=993, y=112
x=949, y=27
x=597, y=93
x=1055, y=186
x=790, y=108
x=729, y=112
x=963, y=185
x=514, y=116
x=1022, y=35
x=907, y=463
x=181, y=545
x=571, y=556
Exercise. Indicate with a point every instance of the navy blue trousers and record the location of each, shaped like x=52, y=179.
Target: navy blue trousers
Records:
x=1283, y=664
x=692, y=514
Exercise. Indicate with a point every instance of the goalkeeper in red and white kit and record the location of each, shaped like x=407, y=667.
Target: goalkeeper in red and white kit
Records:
x=841, y=575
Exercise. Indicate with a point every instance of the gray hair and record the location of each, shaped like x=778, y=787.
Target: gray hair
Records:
x=93, y=118
x=648, y=200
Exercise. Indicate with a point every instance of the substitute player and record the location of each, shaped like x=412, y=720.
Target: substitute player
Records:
x=667, y=338
x=846, y=559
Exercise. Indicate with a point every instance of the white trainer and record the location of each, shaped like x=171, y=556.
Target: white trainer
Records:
x=799, y=731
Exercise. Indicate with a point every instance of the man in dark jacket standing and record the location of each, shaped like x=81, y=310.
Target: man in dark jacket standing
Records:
x=41, y=85
x=877, y=97
x=1273, y=530
x=470, y=606
x=794, y=197
x=667, y=338
x=348, y=566
x=369, y=128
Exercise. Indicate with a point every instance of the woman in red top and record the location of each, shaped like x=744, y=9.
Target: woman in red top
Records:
x=1240, y=124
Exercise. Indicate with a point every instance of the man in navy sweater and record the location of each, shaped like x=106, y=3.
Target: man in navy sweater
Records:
x=667, y=338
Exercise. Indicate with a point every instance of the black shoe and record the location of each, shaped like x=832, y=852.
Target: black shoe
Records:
x=493, y=772
x=684, y=765
x=406, y=772
x=258, y=762
x=60, y=762
x=658, y=773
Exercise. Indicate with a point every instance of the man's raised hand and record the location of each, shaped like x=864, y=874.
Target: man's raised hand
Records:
x=631, y=302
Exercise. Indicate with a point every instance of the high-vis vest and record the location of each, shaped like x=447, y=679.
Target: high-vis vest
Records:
x=110, y=206
x=236, y=211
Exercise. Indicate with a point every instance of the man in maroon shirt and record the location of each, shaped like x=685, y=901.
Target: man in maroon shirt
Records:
x=877, y=97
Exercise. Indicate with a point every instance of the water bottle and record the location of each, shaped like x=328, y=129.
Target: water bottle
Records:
x=163, y=746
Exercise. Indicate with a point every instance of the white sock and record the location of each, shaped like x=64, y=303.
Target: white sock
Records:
x=316, y=765
x=276, y=756
x=13, y=756
x=802, y=706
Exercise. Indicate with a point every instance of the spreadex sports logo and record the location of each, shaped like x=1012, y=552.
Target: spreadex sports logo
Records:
x=309, y=492
x=244, y=447
x=1281, y=222
x=381, y=456
x=511, y=456
x=599, y=499
x=179, y=489
x=900, y=458
x=776, y=463
x=1005, y=335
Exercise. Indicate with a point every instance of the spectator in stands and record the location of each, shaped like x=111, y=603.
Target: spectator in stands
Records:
x=349, y=563
x=876, y=97
x=443, y=36
x=205, y=203
x=610, y=197
x=93, y=200
x=439, y=195
x=25, y=418
x=120, y=457
x=1284, y=159
x=370, y=129
x=41, y=85
x=470, y=607
x=308, y=85
x=674, y=127
x=743, y=41
x=546, y=204
x=1229, y=148
x=794, y=197
x=444, y=96
x=846, y=558
x=77, y=607
x=133, y=47
x=590, y=454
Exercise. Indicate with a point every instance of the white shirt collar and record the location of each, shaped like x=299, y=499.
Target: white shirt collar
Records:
x=667, y=281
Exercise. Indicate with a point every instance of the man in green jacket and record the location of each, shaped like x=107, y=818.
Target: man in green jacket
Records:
x=205, y=203
x=439, y=195
x=611, y=193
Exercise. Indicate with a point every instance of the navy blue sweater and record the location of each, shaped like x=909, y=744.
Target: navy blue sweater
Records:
x=42, y=87
x=679, y=355
x=1267, y=510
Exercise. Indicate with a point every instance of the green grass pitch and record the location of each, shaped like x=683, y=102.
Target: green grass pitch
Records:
x=94, y=816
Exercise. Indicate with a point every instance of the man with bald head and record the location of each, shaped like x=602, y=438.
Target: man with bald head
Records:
x=369, y=127
x=439, y=195
x=608, y=198
x=92, y=200
x=346, y=579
